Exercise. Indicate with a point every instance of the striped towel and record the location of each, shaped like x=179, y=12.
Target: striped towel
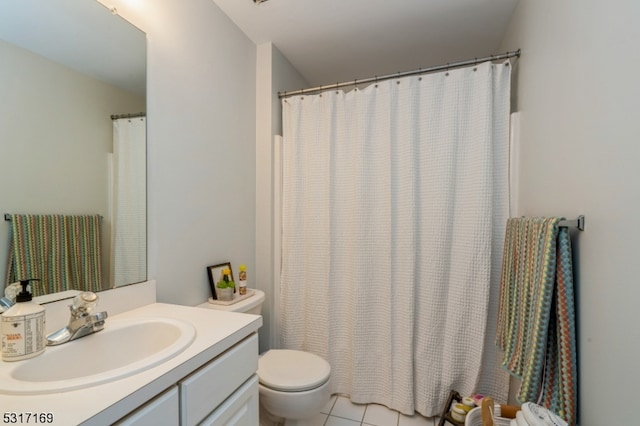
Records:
x=536, y=318
x=63, y=252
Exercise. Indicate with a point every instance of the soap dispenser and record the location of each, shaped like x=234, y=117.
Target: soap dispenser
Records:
x=23, y=327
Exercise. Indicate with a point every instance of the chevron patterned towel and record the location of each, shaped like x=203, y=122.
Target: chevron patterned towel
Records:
x=536, y=319
x=63, y=252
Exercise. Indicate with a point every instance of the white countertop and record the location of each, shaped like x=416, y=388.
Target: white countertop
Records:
x=216, y=331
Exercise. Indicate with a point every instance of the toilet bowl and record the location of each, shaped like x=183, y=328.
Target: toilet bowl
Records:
x=293, y=385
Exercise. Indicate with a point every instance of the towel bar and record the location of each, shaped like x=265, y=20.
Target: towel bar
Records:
x=7, y=216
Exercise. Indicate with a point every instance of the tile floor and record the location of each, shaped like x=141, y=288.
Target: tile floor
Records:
x=340, y=411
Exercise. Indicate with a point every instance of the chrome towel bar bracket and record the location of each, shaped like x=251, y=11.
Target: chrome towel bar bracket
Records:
x=575, y=223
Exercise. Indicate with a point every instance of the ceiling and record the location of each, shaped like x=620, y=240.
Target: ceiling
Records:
x=82, y=35
x=331, y=41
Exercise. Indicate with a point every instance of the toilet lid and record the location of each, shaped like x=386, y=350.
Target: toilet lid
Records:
x=288, y=370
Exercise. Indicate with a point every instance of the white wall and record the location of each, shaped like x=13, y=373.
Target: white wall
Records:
x=201, y=143
x=579, y=97
x=56, y=133
x=274, y=74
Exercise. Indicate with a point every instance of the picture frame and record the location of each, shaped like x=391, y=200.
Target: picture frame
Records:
x=215, y=273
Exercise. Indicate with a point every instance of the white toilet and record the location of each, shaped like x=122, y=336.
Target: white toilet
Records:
x=294, y=385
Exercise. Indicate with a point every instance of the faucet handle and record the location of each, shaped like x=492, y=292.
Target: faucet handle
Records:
x=83, y=304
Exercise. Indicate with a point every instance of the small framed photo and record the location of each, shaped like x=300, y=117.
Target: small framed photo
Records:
x=215, y=275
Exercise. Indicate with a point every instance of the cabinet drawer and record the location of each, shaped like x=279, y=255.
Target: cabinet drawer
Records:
x=162, y=410
x=204, y=390
x=240, y=409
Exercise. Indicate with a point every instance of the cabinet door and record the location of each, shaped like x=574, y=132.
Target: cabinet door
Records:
x=240, y=409
x=160, y=411
x=210, y=386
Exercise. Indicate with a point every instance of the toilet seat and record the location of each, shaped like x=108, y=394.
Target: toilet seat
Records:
x=287, y=370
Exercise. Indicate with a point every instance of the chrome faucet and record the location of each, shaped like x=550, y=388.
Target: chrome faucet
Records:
x=82, y=322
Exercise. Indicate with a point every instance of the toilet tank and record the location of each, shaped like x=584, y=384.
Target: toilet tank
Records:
x=250, y=305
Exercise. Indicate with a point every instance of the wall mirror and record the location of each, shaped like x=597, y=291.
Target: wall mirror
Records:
x=66, y=67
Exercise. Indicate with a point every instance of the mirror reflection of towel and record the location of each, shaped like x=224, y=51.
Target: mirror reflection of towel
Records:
x=62, y=251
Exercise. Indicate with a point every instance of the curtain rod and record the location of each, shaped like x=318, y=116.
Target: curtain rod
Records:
x=475, y=61
x=135, y=115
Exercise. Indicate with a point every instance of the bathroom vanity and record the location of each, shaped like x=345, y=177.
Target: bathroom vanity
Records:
x=210, y=381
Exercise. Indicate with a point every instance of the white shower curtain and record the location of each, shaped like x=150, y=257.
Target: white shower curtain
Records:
x=393, y=210
x=129, y=202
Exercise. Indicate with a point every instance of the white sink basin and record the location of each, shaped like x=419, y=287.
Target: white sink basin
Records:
x=125, y=347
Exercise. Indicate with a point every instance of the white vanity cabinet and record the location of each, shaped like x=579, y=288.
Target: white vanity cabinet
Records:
x=211, y=381
x=222, y=392
x=223, y=378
